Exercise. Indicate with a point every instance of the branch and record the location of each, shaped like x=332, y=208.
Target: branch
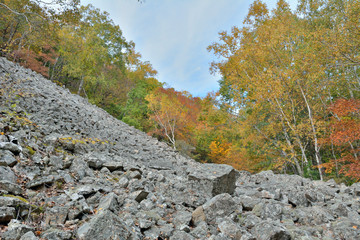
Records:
x=17, y=13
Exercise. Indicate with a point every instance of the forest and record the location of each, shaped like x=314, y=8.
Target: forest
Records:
x=288, y=99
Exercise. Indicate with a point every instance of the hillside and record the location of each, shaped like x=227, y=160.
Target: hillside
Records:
x=69, y=170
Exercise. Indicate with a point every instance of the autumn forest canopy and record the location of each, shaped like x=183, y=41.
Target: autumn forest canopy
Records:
x=289, y=96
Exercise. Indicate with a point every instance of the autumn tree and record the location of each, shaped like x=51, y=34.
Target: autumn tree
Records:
x=174, y=112
x=280, y=76
x=344, y=139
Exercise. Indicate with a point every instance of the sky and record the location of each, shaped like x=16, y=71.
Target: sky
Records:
x=173, y=35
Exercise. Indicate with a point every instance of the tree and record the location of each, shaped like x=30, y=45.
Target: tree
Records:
x=345, y=138
x=279, y=77
x=174, y=112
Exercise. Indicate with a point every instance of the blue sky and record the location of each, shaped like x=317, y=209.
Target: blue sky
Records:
x=174, y=34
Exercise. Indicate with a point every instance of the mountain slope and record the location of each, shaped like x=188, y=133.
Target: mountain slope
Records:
x=69, y=170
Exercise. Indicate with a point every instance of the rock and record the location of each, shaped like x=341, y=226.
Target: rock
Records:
x=109, y=202
x=16, y=230
x=7, y=158
x=14, y=148
x=221, y=205
x=29, y=236
x=41, y=181
x=11, y=187
x=56, y=234
x=6, y=174
x=200, y=231
x=230, y=229
x=6, y=214
x=198, y=216
x=123, y=182
x=56, y=215
x=80, y=169
x=215, y=178
x=270, y=231
x=105, y=225
x=177, y=235
x=113, y=166
x=181, y=219
x=139, y=195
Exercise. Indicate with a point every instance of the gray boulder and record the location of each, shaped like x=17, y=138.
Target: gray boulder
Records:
x=105, y=225
x=214, y=178
x=221, y=205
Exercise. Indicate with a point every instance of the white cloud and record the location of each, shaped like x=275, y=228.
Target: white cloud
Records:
x=173, y=35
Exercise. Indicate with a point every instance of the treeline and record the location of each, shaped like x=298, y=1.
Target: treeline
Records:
x=289, y=93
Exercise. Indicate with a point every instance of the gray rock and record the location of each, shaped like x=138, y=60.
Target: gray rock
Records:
x=41, y=181
x=109, y=202
x=15, y=230
x=200, y=231
x=56, y=215
x=10, y=187
x=105, y=225
x=270, y=231
x=219, y=206
x=182, y=218
x=7, y=158
x=215, y=178
x=113, y=166
x=29, y=236
x=56, y=234
x=80, y=169
x=6, y=174
x=14, y=148
x=230, y=229
x=123, y=182
x=6, y=214
x=177, y=235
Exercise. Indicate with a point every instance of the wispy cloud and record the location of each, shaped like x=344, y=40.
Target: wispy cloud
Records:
x=173, y=35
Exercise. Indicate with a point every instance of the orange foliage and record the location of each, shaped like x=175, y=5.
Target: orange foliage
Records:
x=345, y=135
x=38, y=62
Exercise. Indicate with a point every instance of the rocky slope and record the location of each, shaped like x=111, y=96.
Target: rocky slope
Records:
x=68, y=170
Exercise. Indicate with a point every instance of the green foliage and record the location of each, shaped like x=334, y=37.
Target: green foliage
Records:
x=136, y=111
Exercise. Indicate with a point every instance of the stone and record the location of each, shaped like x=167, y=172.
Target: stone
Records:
x=119, y=183
x=11, y=188
x=56, y=234
x=200, y=230
x=114, y=166
x=56, y=215
x=123, y=182
x=80, y=169
x=105, y=225
x=198, y=216
x=181, y=219
x=269, y=231
x=215, y=178
x=6, y=214
x=221, y=205
x=230, y=229
x=16, y=230
x=7, y=158
x=177, y=235
x=41, y=181
x=14, y=148
x=29, y=236
x=139, y=195
x=109, y=202
x=6, y=174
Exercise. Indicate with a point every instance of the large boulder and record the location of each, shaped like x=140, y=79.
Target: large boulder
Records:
x=214, y=178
